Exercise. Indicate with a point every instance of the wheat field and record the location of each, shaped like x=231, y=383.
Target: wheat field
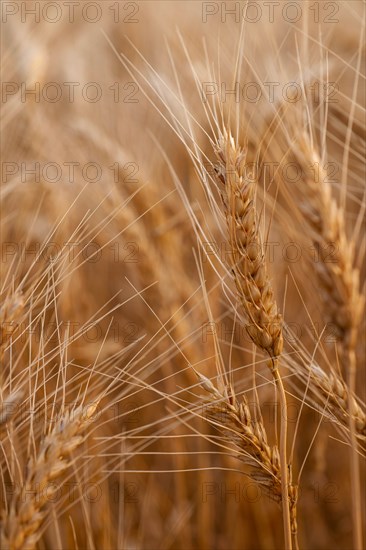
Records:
x=182, y=275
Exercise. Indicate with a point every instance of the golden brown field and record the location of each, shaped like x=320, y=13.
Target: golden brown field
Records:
x=182, y=275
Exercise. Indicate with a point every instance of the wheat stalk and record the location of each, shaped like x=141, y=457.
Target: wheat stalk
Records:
x=21, y=526
x=339, y=282
x=255, y=291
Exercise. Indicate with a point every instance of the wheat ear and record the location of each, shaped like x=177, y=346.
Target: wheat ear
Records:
x=338, y=279
x=249, y=270
x=340, y=285
x=340, y=401
x=250, y=439
x=21, y=526
x=247, y=255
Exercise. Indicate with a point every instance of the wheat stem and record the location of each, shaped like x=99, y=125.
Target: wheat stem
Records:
x=354, y=461
x=283, y=454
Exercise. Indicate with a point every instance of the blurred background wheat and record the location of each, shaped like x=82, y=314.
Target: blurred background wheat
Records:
x=146, y=146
